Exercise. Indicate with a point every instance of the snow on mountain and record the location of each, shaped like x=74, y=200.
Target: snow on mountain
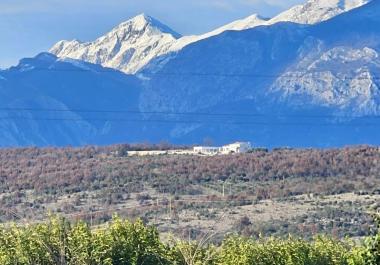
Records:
x=135, y=43
x=127, y=47
x=242, y=24
x=315, y=11
x=312, y=12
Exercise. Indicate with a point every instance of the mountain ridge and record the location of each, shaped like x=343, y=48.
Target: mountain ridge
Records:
x=131, y=61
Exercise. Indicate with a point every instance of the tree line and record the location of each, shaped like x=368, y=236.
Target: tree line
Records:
x=66, y=170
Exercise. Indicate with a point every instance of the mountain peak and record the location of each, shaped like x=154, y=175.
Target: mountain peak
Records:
x=144, y=18
x=127, y=47
x=140, y=20
x=144, y=21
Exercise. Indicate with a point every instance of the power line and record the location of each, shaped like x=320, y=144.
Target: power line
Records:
x=261, y=76
x=224, y=122
x=129, y=112
x=186, y=113
x=104, y=70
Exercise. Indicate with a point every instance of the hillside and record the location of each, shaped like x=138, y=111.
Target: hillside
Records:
x=279, y=191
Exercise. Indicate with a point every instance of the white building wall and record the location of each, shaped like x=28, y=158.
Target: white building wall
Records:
x=239, y=147
x=235, y=148
x=207, y=150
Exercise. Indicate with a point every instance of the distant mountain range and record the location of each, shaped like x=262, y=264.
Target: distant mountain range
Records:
x=308, y=77
x=134, y=43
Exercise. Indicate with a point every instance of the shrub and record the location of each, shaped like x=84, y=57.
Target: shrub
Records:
x=59, y=242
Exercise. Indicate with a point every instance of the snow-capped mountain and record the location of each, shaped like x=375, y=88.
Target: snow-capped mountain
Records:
x=128, y=47
x=278, y=84
x=143, y=40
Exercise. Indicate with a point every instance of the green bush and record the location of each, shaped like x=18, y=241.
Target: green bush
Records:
x=372, y=251
x=323, y=251
x=122, y=242
x=58, y=242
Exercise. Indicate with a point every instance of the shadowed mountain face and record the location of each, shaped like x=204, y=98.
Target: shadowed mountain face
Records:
x=67, y=89
x=288, y=74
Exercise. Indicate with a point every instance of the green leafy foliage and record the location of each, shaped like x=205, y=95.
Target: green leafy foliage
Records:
x=372, y=251
x=58, y=242
x=123, y=242
x=322, y=251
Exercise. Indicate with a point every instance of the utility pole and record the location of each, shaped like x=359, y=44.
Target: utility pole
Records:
x=170, y=207
x=91, y=209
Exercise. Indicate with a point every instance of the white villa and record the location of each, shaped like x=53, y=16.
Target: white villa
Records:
x=235, y=148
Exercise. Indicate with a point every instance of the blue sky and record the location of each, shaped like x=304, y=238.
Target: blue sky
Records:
x=28, y=27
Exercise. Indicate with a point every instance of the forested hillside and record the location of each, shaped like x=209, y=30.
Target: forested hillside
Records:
x=264, y=192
